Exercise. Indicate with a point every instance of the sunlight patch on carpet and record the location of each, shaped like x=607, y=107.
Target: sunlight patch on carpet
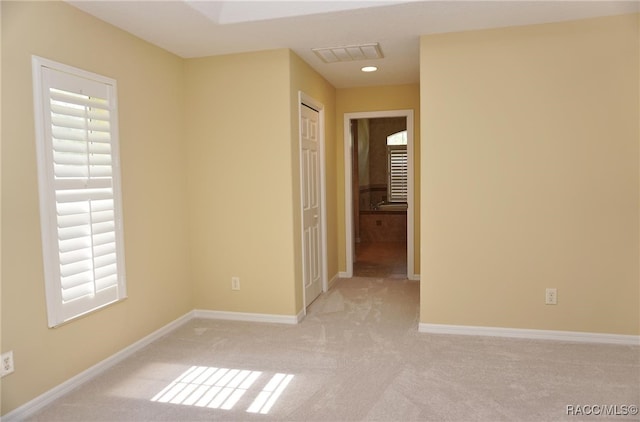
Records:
x=203, y=386
x=222, y=388
x=270, y=394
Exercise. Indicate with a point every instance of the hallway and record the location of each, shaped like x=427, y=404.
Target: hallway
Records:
x=381, y=259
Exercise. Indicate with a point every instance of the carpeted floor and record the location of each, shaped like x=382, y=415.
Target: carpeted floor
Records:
x=357, y=356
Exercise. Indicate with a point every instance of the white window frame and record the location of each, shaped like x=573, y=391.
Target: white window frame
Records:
x=102, y=275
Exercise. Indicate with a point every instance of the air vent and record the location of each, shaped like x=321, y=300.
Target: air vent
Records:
x=349, y=53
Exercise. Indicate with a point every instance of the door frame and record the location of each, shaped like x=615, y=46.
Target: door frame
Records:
x=348, y=193
x=305, y=100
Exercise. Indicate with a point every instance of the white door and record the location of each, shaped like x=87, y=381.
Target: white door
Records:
x=310, y=190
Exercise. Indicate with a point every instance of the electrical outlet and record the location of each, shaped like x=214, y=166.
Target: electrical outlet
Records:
x=551, y=296
x=6, y=363
x=235, y=283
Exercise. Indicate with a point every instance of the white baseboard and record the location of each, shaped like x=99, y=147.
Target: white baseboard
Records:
x=249, y=317
x=414, y=277
x=30, y=408
x=575, y=336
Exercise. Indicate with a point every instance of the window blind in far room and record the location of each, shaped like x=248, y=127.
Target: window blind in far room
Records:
x=397, y=174
x=80, y=199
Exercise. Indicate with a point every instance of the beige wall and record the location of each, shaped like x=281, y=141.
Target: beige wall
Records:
x=369, y=99
x=530, y=176
x=303, y=78
x=240, y=189
x=150, y=95
x=243, y=179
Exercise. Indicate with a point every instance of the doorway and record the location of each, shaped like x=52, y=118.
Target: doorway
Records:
x=379, y=194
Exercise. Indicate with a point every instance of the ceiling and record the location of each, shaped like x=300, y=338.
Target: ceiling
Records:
x=192, y=28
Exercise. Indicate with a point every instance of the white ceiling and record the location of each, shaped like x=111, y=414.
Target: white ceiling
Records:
x=194, y=28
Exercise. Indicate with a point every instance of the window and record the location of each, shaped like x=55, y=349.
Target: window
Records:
x=79, y=184
x=397, y=166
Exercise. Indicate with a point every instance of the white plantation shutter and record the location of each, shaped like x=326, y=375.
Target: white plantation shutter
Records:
x=76, y=121
x=397, y=174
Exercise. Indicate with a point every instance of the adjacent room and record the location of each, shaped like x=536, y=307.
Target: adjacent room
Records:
x=219, y=210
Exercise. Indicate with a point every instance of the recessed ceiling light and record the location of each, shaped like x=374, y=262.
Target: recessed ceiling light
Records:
x=369, y=69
